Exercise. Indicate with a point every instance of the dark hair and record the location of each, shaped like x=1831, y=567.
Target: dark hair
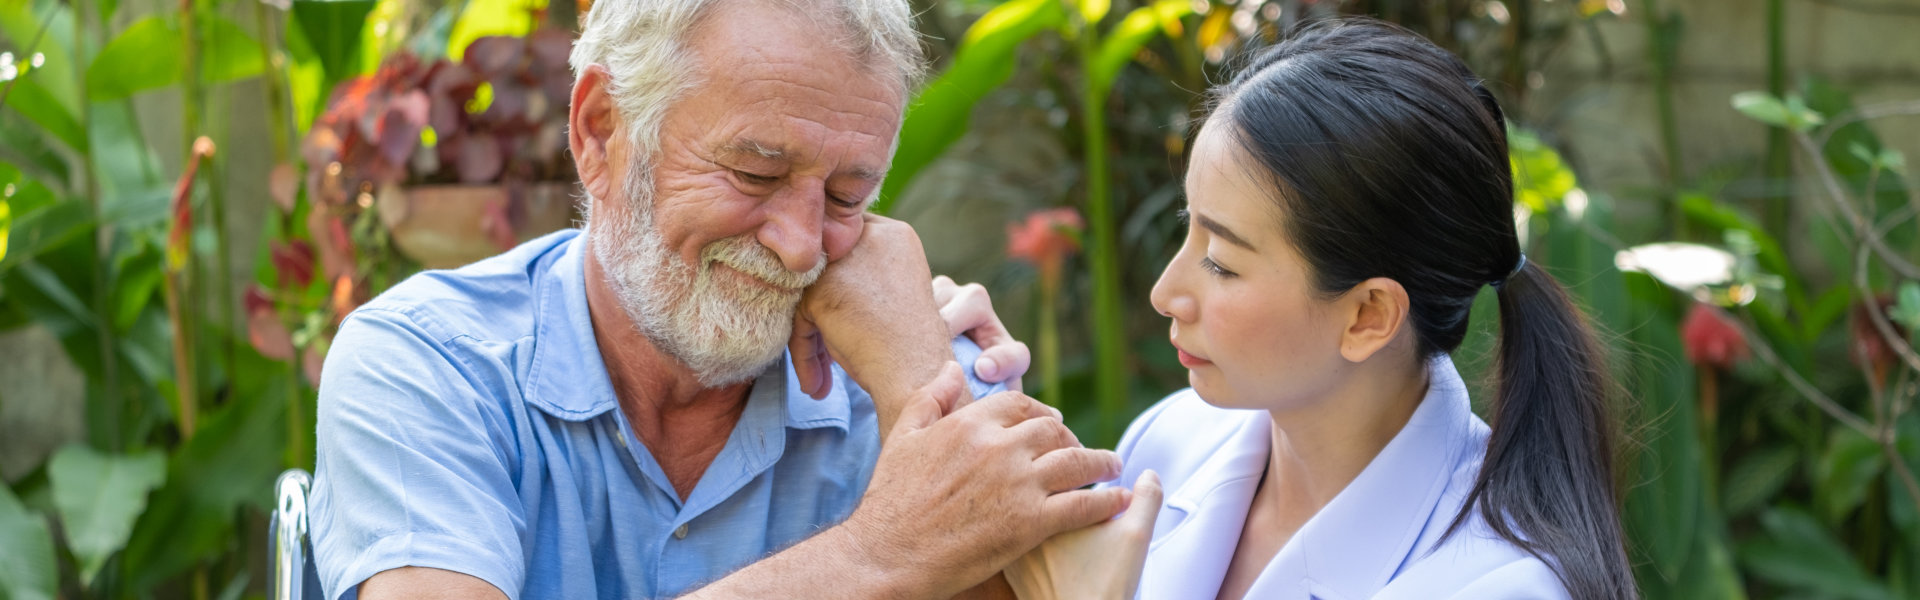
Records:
x=1390, y=160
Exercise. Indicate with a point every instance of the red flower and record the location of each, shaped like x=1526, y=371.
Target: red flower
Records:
x=293, y=261
x=1711, y=339
x=1045, y=239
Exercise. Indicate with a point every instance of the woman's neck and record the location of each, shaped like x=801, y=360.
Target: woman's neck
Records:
x=1316, y=452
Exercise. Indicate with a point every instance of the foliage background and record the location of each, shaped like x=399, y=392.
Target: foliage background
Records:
x=141, y=424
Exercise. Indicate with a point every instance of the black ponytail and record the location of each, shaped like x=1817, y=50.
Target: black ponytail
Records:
x=1390, y=160
x=1547, y=483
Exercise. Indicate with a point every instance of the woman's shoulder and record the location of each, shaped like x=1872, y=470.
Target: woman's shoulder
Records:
x=1178, y=434
x=1505, y=577
x=1472, y=561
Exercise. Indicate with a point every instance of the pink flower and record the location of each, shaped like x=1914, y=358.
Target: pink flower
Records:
x=1711, y=339
x=1045, y=239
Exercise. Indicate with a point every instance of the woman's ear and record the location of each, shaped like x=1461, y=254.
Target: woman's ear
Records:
x=1376, y=311
x=591, y=123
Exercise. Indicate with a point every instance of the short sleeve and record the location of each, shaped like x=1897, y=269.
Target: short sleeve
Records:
x=412, y=462
x=966, y=353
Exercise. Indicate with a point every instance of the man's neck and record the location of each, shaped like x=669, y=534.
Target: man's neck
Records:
x=682, y=422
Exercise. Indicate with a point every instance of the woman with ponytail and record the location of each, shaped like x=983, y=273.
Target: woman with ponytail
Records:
x=1348, y=197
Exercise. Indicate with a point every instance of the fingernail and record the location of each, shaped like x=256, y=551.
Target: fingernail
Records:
x=986, y=368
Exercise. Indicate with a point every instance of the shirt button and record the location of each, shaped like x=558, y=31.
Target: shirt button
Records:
x=681, y=533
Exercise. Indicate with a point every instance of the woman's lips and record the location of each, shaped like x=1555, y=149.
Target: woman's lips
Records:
x=1188, y=360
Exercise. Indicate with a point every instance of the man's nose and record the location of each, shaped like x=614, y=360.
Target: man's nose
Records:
x=793, y=229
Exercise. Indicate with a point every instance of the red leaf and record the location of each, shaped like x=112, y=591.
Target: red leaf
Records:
x=480, y=158
x=494, y=55
x=283, y=184
x=265, y=330
x=293, y=262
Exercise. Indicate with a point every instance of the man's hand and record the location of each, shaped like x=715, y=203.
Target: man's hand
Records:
x=872, y=311
x=952, y=501
x=959, y=497
x=967, y=309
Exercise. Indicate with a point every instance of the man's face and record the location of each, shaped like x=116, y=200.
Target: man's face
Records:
x=764, y=170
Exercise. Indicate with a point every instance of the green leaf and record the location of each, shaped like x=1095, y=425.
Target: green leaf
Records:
x=1095, y=10
x=28, y=570
x=1540, y=178
x=332, y=29
x=1127, y=38
x=33, y=101
x=229, y=463
x=1799, y=553
x=1757, y=478
x=1906, y=307
x=1762, y=107
x=145, y=56
x=98, y=497
x=491, y=17
x=1845, y=472
x=984, y=60
x=227, y=53
x=1791, y=113
x=6, y=226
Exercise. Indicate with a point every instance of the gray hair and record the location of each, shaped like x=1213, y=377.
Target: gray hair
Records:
x=643, y=44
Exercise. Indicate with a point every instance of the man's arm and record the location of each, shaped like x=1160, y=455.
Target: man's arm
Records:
x=953, y=500
x=424, y=583
x=873, y=312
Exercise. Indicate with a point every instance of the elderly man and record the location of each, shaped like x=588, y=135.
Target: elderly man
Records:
x=608, y=413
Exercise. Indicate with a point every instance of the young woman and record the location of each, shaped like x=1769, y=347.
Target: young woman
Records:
x=1348, y=197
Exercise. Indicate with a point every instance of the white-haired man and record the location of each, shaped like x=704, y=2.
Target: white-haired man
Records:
x=608, y=413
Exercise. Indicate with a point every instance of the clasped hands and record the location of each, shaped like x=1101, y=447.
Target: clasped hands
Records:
x=963, y=490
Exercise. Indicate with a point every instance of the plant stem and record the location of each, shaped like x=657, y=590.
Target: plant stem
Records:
x=111, y=393
x=1662, y=50
x=1049, y=342
x=1779, y=167
x=1109, y=328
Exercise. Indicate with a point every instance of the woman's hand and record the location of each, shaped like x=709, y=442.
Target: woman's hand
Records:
x=1100, y=562
x=968, y=311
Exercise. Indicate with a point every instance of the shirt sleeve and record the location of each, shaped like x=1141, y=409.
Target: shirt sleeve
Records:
x=966, y=353
x=411, y=462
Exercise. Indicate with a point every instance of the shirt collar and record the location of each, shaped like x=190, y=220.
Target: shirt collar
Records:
x=1357, y=542
x=568, y=379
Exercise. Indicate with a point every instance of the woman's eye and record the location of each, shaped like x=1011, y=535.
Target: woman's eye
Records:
x=753, y=178
x=1217, y=270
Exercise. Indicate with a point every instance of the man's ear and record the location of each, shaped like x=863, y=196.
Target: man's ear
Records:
x=1376, y=311
x=591, y=123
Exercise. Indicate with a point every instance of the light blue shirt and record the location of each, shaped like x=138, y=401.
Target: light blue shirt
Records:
x=467, y=423
x=1379, y=538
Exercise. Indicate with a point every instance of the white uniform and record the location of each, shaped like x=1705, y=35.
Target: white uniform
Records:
x=1376, y=539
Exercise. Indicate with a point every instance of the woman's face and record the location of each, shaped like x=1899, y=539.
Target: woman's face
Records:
x=1247, y=322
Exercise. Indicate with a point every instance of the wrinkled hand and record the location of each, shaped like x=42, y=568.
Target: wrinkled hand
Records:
x=956, y=498
x=967, y=309
x=1098, y=562
x=872, y=311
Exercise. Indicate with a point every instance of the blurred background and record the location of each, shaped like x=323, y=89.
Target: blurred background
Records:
x=194, y=192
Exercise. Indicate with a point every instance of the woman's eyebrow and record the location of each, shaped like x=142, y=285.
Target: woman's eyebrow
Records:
x=1217, y=229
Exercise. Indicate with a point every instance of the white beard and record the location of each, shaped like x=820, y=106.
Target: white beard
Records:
x=722, y=327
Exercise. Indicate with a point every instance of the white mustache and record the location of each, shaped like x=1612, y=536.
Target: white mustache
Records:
x=747, y=255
